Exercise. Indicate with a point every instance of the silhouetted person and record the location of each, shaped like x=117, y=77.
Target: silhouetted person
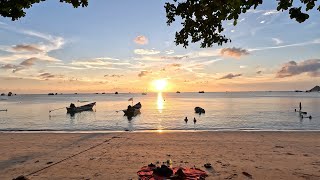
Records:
x=72, y=105
x=300, y=107
x=130, y=108
x=186, y=119
x=194, y=120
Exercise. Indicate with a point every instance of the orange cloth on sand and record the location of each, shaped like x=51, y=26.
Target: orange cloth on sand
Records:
x=146, y=173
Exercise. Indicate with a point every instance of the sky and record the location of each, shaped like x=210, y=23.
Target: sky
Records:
x=126, y=46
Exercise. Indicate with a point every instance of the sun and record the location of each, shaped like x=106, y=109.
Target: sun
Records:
x=160, y=84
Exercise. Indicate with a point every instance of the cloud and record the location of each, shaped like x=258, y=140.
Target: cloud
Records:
x=191, y=66
x=93, y=62
x=270, y=12
x=259, y=72
x=141, y=40
x=8, y=66
x=234, y=52
x=144, y=73
x=146, y=51
x=29, y=62
x=292, y=68
x=47, y=43
x=14, y=68
x=277, y=41
x=230, y=76
x=160, y=58
x=175, y=65
x=264, y=12
x=243, y=67
x=114, y=75
x=40, y=56
x=67, y=67
x=98, y=63
x=262, y=22
x=108, y=58
x=47, y=76
x=205, y=53
x=169, y=52
x=315, y=41
x=26, y=47
x=55, y=42
x=23, y=65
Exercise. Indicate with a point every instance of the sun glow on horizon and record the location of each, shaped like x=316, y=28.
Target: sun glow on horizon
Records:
x=160, y=84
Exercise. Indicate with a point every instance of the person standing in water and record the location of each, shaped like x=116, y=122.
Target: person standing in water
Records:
x=300, y=107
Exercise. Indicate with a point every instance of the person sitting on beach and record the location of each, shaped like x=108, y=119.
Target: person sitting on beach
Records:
x=72, y=105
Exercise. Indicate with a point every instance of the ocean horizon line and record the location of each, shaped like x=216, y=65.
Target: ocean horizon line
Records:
x=119, y=92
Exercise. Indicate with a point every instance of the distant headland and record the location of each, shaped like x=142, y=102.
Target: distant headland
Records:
x=314, y=89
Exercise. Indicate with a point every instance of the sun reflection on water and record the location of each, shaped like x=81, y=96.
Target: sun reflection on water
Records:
x=160, y=102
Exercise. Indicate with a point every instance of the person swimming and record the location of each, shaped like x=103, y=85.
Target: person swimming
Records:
x=186, y=119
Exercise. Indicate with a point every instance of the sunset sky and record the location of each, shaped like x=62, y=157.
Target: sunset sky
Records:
x=126, y=45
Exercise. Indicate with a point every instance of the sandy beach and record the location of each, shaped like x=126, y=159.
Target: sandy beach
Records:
x=234, y=155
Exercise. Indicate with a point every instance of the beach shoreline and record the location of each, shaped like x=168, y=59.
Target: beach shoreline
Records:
x=119, y=155
x=46, y=131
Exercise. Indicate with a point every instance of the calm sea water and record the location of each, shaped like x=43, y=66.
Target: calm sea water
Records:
x=163, y=111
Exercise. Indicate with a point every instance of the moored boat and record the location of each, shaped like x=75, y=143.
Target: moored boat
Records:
x=132, y=111
x=73, y=109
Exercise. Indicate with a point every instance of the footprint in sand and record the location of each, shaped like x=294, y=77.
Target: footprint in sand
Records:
x=247, y=175
x=232, y=176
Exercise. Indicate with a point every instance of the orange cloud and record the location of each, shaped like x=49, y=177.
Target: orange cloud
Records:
x=234, y=52
x=141, y=40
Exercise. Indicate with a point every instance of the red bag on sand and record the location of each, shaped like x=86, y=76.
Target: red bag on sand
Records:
x=146, y=173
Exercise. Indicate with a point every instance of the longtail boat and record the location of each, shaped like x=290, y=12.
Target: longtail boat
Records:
x=133, y=111
x=73, y=109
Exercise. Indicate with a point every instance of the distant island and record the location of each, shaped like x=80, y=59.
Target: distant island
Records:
x=9, y=94
x=315, y=89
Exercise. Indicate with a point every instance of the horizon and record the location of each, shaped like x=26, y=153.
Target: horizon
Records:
x=151, y=92
x=125, y=47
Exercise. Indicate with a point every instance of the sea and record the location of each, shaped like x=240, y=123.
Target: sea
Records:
x=225, y=111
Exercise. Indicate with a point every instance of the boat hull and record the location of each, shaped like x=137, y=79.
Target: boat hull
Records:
x=87, y=107
x=135, y=111
x=131, y=113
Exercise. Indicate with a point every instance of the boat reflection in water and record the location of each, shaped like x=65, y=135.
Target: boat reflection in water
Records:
x=160, y=102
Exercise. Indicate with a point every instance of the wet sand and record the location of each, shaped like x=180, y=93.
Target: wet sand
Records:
x=234, y=155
